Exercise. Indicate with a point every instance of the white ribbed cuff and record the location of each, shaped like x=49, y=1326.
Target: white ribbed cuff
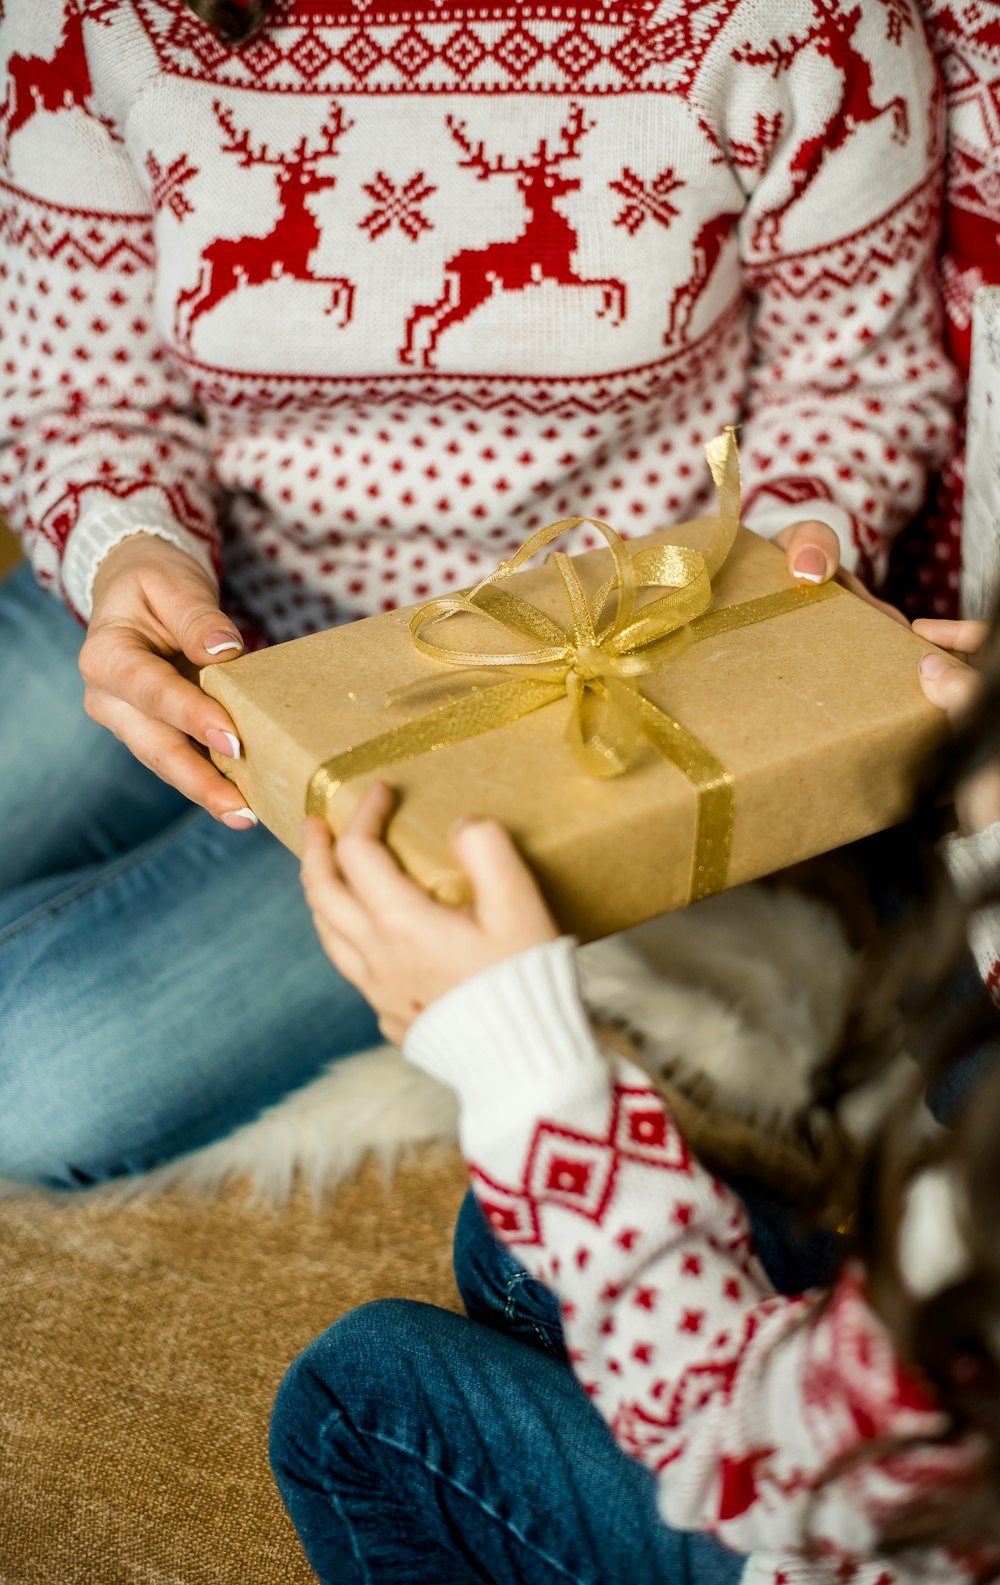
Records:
x=973, y=860
x=769, y=519
x=103, y=524
x=518, y=1026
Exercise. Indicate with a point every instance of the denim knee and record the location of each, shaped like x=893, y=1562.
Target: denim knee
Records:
x=301, y=1406
x=359, y=1360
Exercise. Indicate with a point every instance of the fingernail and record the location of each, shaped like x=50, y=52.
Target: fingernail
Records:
x=240, y=819
x=226, y=743
x=934, y=665
x=811, y=565
x=463, y=821
x=217, y=642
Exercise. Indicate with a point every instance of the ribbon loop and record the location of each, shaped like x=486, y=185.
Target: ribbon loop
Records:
x=597, y=658
x=594, y=662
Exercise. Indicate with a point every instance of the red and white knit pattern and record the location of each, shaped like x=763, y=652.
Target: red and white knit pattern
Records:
x=739, y=1399
x=966, y=38
x=378, y=295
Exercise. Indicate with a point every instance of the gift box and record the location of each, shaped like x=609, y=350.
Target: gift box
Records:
x=651, y=723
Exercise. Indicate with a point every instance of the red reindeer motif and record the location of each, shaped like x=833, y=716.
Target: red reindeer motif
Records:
x=59, y=82
x=706, y=248
x=287, y=248
x=832, y=36
x=543, y=251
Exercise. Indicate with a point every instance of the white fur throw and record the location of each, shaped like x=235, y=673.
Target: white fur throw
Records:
x=749, y=988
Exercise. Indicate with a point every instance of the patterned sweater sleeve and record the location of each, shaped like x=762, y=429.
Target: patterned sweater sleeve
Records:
x=851, y=401
x=98, y=437
x=738, y=1398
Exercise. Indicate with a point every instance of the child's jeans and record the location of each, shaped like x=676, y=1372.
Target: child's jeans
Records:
x=160, y=979
x=416, y=1447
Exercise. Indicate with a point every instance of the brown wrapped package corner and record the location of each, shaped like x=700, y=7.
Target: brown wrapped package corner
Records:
x=817, y=713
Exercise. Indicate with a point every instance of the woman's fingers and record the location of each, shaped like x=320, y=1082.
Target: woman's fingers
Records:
x=961, y=638
x=170, y=755
x=151, y=585
x=206, y=635
x=812, y=550
x=118, y=663
x=152, y=604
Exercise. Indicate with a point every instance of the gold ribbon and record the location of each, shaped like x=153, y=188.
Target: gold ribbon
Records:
x=595, y=661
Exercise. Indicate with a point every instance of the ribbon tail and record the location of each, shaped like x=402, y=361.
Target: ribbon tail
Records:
x=724, y=464
x=715, y=787
x=605, y=724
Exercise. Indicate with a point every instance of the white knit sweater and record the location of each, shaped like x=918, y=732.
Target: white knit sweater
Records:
x=739, y=1398
x=358, y=307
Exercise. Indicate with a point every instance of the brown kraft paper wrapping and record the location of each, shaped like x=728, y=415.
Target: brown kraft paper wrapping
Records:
x=817, y=714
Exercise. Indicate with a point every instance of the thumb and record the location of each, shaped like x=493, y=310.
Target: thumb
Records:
x=505, y=891
x=202, y=631
x=948, y=685
x=812, y=550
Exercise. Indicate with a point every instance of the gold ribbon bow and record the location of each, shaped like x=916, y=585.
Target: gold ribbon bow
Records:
x=595, y=661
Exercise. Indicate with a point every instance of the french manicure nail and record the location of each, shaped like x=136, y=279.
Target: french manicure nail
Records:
x=226, y=743
x=934, y=665
x=217, y=642
x=240, y=819
x=811, y=565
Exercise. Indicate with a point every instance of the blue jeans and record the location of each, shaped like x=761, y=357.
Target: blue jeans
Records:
x=160, y=980
x=416, y=1447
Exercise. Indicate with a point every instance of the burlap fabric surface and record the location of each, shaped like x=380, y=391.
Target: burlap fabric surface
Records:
x=140, y=1350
